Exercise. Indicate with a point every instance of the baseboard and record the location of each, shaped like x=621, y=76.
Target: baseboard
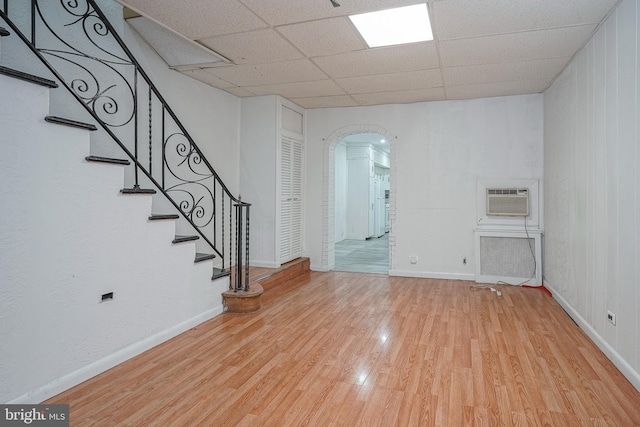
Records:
x=432, y=275
x=625, y=368
x=64, y=383
x=317, y=267
x=266, y=264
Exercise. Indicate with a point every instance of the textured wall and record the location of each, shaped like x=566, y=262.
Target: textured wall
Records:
x=438, y=152
x=66, y=237
x=592, y=188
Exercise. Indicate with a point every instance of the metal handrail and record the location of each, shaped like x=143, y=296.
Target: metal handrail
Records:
x=186, y=174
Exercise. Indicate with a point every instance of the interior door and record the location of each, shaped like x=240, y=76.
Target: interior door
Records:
x=290, y=200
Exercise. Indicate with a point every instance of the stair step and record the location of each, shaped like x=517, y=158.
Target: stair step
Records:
x=28, y=77
x=138, y=190
x=69, y=122
x=291, y=274
x=180, y=238
x=203, y=257
x=4, y=32
x=243, y=302
x=107, y=160
x=219, y=272
x=163, y=216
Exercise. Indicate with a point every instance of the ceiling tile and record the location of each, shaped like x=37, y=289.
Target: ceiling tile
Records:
x=391, y=82
x=281, y=12
x=208, y=78
x=175, y=50
x=239, y=92
x=253, y=47
x=486, y=90
x=267, y=74
x=324, y=37
x=538, y=69
x=401, y=96
x=557, y=42
x=383, y=60
x=198, y=19
x=310, y=52
x=471, y=18
x=326, y=102
x=299, y=90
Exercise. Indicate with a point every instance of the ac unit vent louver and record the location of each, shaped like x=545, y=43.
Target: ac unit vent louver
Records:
x=508, y=201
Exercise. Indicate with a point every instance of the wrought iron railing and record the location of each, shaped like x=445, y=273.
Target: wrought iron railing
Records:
x=79, y=45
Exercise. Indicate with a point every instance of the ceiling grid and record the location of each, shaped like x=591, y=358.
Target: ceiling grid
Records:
x=309, y=51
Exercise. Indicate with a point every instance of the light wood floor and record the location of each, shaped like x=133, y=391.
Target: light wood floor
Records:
x=370, y=350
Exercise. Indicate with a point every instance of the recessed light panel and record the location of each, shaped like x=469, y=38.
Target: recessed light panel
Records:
x=409, y=24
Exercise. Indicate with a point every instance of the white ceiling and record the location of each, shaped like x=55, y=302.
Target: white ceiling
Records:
x=309, y=52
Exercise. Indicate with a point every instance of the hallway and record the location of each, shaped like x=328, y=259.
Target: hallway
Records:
x=363, y=256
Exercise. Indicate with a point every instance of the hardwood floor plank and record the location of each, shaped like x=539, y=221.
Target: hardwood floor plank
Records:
x=366, y=349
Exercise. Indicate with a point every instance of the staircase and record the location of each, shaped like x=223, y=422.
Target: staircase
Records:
x=84, y=52
x=118, y=268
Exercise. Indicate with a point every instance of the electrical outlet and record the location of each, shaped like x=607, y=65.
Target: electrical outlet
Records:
x=413, y=259
x=611, y=317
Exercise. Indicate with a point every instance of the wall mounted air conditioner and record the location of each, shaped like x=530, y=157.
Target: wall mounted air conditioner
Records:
x=508, y=201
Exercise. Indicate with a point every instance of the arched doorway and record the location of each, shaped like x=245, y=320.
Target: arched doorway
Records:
x=329, y=189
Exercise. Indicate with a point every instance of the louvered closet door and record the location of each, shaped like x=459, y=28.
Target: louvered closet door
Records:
x=290, y=200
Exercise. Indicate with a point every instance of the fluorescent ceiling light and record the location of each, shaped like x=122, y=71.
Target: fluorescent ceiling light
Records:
x=407, y=24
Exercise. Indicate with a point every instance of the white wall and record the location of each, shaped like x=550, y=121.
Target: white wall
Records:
x=258, y=163
x=68, y=239
x=438, y=152
x=341, y=192
x=592, y=188
x=67, y=236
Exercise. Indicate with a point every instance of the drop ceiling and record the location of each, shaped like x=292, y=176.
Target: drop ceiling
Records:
x=310, y=53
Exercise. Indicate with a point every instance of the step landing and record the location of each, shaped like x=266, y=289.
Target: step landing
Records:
x=266, y=279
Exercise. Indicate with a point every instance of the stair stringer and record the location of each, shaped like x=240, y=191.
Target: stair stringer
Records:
x=67, y=236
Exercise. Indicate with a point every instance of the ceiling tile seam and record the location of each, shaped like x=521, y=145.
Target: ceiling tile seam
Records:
x=473, y=64
x=501, y=82
x=254, y=64
x=366, y=49
x=232, y=85
x=286, y=39
x=495, y=82
x=512, y=61
x=254, y=13
x=436, y=39
x=413, y=70
x=248, y=88
x=278, y=33
x=280, y=25
x=324, y=97
x=585, y=43
x=395, y=90
x=481, y=36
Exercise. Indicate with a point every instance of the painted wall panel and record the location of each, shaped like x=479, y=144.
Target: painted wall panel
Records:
x=627, y=147
x=591, y=158
x=258, y=163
